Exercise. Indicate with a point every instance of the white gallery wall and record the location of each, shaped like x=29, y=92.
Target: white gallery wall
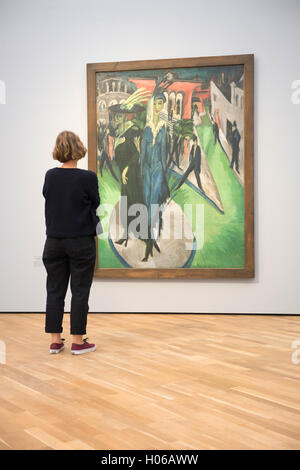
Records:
x=44, y=48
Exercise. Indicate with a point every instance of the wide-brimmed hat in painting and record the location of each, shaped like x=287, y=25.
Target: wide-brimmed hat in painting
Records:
x=132, y=104
x=117, y=108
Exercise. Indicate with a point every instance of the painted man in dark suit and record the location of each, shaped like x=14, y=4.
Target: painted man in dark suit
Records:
x=235, y=144
x=215, y=130
x=103, y=147
x=175, y=154
x=194, y=165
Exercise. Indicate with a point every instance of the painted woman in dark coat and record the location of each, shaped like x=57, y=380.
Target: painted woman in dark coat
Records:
x=127, y=158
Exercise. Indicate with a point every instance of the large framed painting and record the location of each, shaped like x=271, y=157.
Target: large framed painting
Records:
x=171, y=142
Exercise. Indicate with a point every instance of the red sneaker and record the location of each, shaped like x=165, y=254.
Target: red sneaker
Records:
x=82, y=348
x=56, y=348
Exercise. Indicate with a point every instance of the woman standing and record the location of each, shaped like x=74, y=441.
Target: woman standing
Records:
x=71, y=199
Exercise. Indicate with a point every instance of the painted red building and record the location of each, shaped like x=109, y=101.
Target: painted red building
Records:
x=182, y=95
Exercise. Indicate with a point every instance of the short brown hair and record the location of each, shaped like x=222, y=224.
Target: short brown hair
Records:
x=68, y=146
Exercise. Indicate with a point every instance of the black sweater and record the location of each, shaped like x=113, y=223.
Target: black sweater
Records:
x=71, y=199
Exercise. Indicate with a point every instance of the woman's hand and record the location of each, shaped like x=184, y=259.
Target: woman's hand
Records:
x=124, y=177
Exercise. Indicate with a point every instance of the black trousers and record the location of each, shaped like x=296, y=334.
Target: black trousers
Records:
x=68, y=259
x=235, y=159
x=190, y=168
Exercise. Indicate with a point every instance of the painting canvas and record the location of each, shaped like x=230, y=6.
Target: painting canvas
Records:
x=172, y=168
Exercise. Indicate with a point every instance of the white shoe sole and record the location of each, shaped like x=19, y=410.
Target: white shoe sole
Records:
x=82, y=351
x=56, y=351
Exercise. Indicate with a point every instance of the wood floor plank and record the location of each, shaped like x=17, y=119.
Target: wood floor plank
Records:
x=156, y=381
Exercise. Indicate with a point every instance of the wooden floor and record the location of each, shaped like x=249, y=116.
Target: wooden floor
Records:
x=154, y=382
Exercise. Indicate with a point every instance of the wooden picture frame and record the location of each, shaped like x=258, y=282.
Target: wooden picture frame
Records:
x=178, y=67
